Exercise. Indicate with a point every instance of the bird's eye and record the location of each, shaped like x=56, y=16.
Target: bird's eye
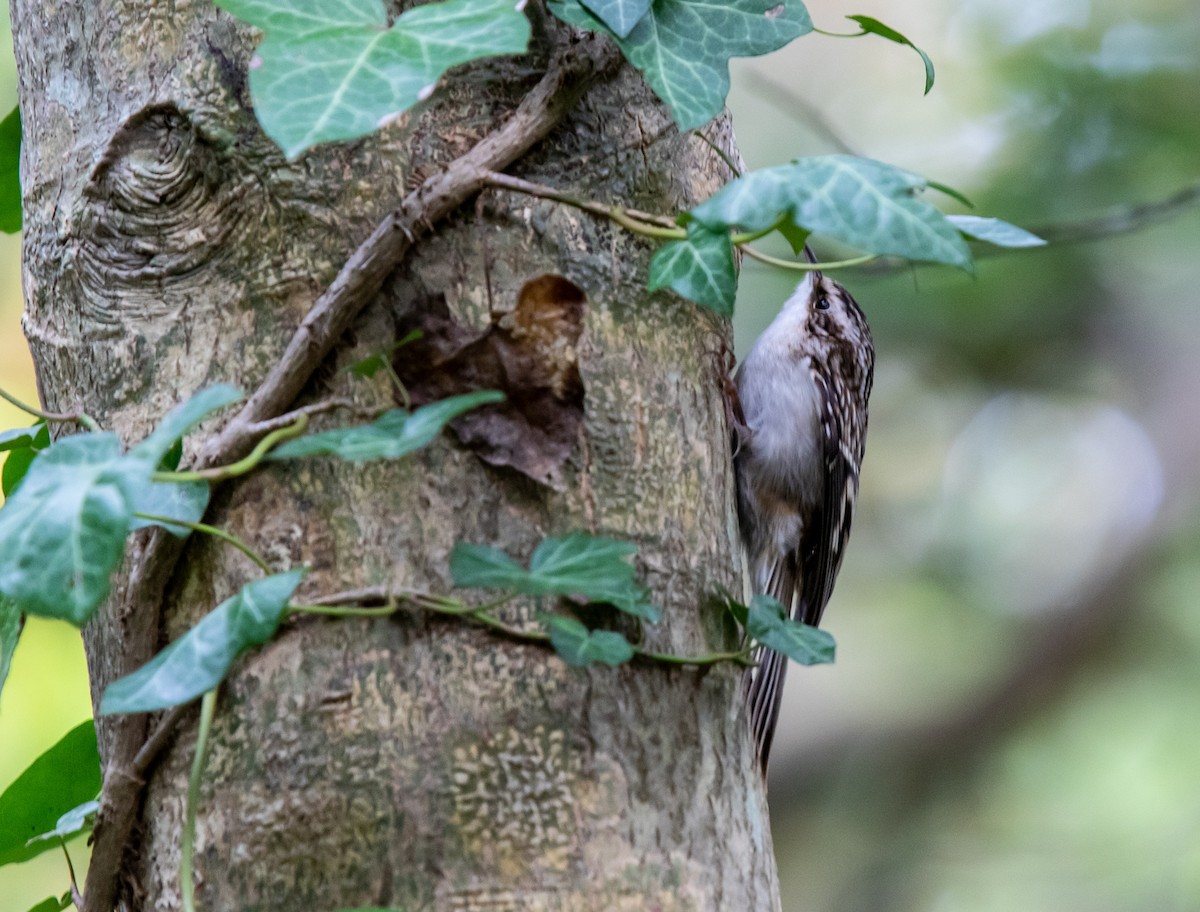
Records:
x=822, y=303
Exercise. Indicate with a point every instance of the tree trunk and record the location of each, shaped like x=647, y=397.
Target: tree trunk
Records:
x=411, y=762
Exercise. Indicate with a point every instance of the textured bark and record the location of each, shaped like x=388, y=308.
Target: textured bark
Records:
x=413, y=762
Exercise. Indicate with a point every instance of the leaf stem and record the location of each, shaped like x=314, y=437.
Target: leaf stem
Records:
x=244, y=465
x=339, y=604
x=76, y=896
x=208, y=707
x=807, y=267
x=741, y=657
x=839, y=34
x=745, y=237
x=228, y=537
x=643, y=223
x=344, y=611
x=79, y=417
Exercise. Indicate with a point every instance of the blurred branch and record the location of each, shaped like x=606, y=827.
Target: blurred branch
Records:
x=1122, y=219
x=798, y=108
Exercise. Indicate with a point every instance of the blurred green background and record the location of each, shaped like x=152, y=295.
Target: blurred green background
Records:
x=1014, y=719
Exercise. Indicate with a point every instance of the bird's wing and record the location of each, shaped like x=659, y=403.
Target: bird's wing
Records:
x=823, y=539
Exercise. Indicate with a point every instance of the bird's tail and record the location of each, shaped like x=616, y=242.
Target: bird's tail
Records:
x=766, y=693
x=766, y=685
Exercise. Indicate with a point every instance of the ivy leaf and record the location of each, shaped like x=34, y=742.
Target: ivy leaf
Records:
x=11, y=623
x=995, y=231
x=767, y=622
x=629, y=597
x=578, y=646
x=699, y=268
x=683, y=47
x=182, y=419
x=18, y=438
x=10, y=172
x=330, y=71
x=200, y=659
x=796, y=236
x=579, y=566
x=21, y=454
x=64, y=777
x=483, y=567
x=393, y=434
x=868, y=204
x=62, y=532
x=875, y=27
x=739, y=612
x=72, y=823
x=53, y=904
x=292, y=18
x=185, y=500
x=620, y=16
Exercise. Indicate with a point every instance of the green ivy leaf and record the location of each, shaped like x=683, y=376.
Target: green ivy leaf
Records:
x=200, y=659
x=174, y=500
x=53, y=904
x=699, y=268
x=483, y=567
x=868, y=204
x=796, y=236
x=290, y=18
x=70, y=824
x=62, y=532
x=330, y=71
x=578, y=646
x=11, y=622
x=22, y=451
x=739, y=612
x=19, y=438
x=10, y=172
x=64, y=777
x=683, y=47
x=182, y=419
x=767, y=622
x=620, y=16
x=875, y=27
x=579, y=566
x=995, y=231
x=393, y=434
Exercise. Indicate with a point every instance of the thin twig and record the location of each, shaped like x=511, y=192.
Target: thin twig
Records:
x=1121, y=220
x=78, y=417
x=158, y=739
x=721, y=153
x=136, y=622
x=643, y=223
x=317, y=408
x=76, y=896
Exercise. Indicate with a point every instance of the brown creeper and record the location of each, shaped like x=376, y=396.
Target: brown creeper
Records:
x=803, y=390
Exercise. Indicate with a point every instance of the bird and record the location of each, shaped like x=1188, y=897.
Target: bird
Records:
x=803, y=391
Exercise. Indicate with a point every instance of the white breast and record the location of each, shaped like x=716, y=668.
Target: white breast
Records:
x=782, y=408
